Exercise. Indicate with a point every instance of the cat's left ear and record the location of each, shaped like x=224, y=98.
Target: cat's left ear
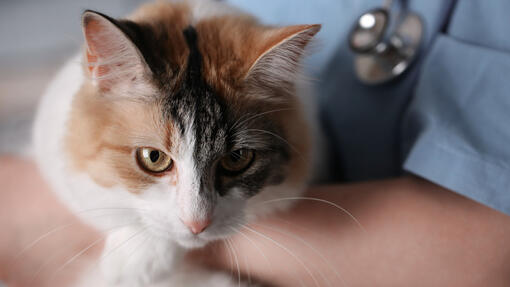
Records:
x=112, y=58
x=276, y=62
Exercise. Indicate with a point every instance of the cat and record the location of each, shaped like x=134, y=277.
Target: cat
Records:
x=176, y=123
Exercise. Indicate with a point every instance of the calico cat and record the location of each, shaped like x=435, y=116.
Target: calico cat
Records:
x=175, y=123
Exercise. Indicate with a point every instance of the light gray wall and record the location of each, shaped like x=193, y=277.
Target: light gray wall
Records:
x=35, y=30
x=36, y=37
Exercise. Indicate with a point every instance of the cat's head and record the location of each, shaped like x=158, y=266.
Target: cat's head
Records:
x=187, y=116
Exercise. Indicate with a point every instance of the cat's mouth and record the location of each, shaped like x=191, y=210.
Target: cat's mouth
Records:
x=193, y=241
x=189, y=240
x=185, y=239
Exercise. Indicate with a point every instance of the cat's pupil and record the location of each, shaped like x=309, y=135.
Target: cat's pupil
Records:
x=236, y=156
x=154, y=156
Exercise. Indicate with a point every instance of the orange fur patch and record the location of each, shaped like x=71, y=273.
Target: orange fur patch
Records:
x=103, y=135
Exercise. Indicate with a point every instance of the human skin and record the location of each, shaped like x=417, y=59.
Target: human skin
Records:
x=413, y=233
x=28, y=210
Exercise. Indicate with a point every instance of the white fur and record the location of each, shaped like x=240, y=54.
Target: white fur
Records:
x=110, y=209
x=188, y=194
x=184, y=276
x=156, y=214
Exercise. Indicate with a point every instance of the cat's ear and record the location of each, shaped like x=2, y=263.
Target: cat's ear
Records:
x=111, y=56
x=277, y=60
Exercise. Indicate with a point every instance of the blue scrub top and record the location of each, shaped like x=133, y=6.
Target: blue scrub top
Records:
x=447, y=119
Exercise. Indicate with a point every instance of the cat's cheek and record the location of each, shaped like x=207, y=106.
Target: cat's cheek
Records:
x=159, y=192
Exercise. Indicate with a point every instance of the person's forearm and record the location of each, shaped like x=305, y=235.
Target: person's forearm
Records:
x=38, y=236
x=416, y=234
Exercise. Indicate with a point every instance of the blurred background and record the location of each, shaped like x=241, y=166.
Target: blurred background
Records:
x=36, y=38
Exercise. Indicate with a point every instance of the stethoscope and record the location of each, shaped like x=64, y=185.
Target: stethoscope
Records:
x=385, y=44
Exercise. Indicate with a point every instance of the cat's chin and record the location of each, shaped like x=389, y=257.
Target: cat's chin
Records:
x=199, y=241
x=192, y=242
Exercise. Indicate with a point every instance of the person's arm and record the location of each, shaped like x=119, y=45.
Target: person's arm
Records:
x=38, y=235
x=416, y=234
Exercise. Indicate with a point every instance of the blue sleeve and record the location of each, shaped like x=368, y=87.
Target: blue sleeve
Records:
x=458, y=124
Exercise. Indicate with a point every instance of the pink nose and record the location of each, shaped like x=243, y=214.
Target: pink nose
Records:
x=197, y=226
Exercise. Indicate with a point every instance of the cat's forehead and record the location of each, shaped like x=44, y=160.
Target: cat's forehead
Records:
x=198, y=66
x=228, y=42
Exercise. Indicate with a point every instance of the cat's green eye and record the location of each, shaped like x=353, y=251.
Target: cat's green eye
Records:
x=238, y=160
x=153, y=160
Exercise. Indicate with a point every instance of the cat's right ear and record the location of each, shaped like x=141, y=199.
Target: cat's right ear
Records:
x=111, y=57
x=276, y=62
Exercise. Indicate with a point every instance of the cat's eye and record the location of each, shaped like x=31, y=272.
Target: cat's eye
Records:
x=238, y=160
x=153, y=160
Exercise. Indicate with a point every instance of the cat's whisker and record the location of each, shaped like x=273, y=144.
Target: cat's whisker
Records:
x=256, y=247
x=252, y=243
x=345, y=211
x=229, y=242
x=261, y=252
x=38, y=239
x=248, y=268
x=321, y=274
x=72, y=259
x=239, y=121
x=230, y=256
x=253, y=141
x=236, y=124
x=69, y=261
x=292, y=147
x=112, y=208
x=249, y=117
x=337, y=274
x=140, y=231
x=62, y=227
x=310, y=246
x=43, y=266
x=137, y=248
x=278, y=244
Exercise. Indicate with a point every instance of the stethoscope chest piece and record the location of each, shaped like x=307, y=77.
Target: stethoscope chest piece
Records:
x=381, y=55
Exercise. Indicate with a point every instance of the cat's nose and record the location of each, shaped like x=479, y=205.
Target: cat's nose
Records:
x=197, y=226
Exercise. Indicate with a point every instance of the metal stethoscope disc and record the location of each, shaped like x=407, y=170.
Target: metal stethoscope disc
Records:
x=381, y=58
x=369, y=30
